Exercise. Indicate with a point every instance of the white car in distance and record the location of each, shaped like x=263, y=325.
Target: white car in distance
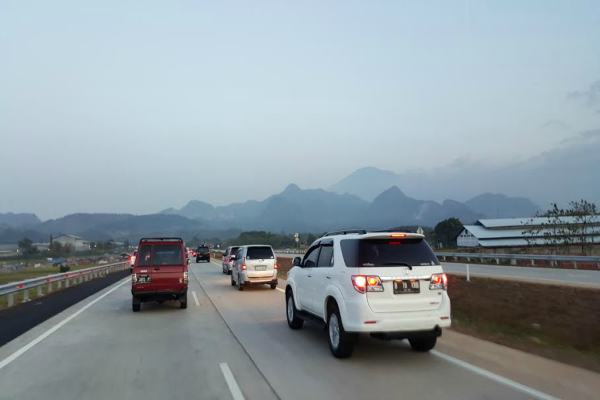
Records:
x=388, y=284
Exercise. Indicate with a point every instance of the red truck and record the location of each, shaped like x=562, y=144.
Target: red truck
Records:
x=160, y=272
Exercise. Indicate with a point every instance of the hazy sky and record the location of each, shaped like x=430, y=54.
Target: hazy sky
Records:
x=135, y=106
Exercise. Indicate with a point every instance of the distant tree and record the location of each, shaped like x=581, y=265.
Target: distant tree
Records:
x=583, y=213
x=446, y=231
x=551, y=231
x=26, y=247
x=126, y=244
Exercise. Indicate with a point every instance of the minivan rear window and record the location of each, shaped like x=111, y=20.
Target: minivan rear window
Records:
x=260, y=253
x=160, y=254
x=387, y=252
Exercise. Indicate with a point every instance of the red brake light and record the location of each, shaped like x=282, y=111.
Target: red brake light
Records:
x=438, y=282
x=360, y=283
x=243, y=266
x=367, y=283
x=398, y=235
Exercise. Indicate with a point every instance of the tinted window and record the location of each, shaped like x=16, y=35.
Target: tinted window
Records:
x=259, y=253
x=387, y=252
x=160, y=254
x=234, y=250
x=310, y=259
x=202, y=249
x=326, y=256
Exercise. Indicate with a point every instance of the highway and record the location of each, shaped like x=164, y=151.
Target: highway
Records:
x=584, y=278
x=235, y=345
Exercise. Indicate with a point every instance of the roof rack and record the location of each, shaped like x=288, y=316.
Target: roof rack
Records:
x=345, y=232
x=161, y=239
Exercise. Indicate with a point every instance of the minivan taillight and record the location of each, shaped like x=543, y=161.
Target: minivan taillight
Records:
x=367, y=283
x=438, y=282
x=243, y=266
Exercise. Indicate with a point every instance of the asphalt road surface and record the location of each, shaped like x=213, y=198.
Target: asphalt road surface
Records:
x=227, y=344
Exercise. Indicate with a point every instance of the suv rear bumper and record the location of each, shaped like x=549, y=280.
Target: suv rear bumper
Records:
x=357, y=316
x=159, y=295
x=249, y=280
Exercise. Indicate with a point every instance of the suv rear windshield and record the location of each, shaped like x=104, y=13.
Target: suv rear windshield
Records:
x=260, y=253
x=202, y=249
x=160, y=254
x=387, y=252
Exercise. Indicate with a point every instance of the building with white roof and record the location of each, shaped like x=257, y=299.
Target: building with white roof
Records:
x=75, y=242
x=518, y=232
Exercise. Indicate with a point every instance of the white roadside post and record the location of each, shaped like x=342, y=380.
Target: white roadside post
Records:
x=468, y=274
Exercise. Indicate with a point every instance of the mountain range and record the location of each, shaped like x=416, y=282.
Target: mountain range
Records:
x=292, y=210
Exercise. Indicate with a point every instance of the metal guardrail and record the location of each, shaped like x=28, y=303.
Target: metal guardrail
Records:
x=57, y=281
x=513, y=258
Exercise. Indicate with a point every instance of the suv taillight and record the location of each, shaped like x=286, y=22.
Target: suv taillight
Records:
x=367, y=283
x=276, y=266
x=438, y=282
x=185, y=277
x=134, y=278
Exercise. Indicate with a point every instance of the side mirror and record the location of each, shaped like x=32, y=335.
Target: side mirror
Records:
x=297, y=262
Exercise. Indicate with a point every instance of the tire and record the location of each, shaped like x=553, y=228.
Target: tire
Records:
x=183, y=301
x=240, y=285
x=197, y=260
x=423, y=343
x=273, y=285
x=232, y=281
x=294, y=322
x=136, y=304
x=341, y=343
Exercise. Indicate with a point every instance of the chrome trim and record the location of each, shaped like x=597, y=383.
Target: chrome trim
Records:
x=406, y=277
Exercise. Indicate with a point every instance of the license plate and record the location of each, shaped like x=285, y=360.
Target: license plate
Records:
x=407, y=286
x=144, y=279
x=260, y=268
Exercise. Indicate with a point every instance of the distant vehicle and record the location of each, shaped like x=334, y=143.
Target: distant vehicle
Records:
x=59, y=262
x=132, y=258
x=203, y=253
x=388, y=284
x=253, y=265
x=228, y=258
x=160, y=272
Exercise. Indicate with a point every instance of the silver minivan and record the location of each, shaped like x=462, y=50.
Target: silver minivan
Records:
x=254, y=264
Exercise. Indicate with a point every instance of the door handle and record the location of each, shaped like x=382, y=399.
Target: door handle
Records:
x=309, y=276
x=328, y=277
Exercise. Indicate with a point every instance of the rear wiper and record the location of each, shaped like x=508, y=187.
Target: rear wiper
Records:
x=399, y=263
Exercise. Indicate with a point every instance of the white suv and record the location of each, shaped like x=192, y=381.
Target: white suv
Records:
x=255, y=264
x=388, y=284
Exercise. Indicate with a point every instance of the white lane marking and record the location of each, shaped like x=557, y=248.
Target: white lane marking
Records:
x=490, y=375
x=195, y=298
x=56, y=327
x=236, y=393
x=280, y=289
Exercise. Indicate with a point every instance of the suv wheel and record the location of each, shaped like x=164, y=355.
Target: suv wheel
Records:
x=232, y=281
x=183, y=301
x=341, y=343
x=423, y=343
x=293, y=320
x=239, y=283
x=136, y=304
x=273, y=285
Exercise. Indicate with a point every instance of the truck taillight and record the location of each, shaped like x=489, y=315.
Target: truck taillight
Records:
x=185, y=277
x=367, y=283
x=438, y=282
x=134, y=278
